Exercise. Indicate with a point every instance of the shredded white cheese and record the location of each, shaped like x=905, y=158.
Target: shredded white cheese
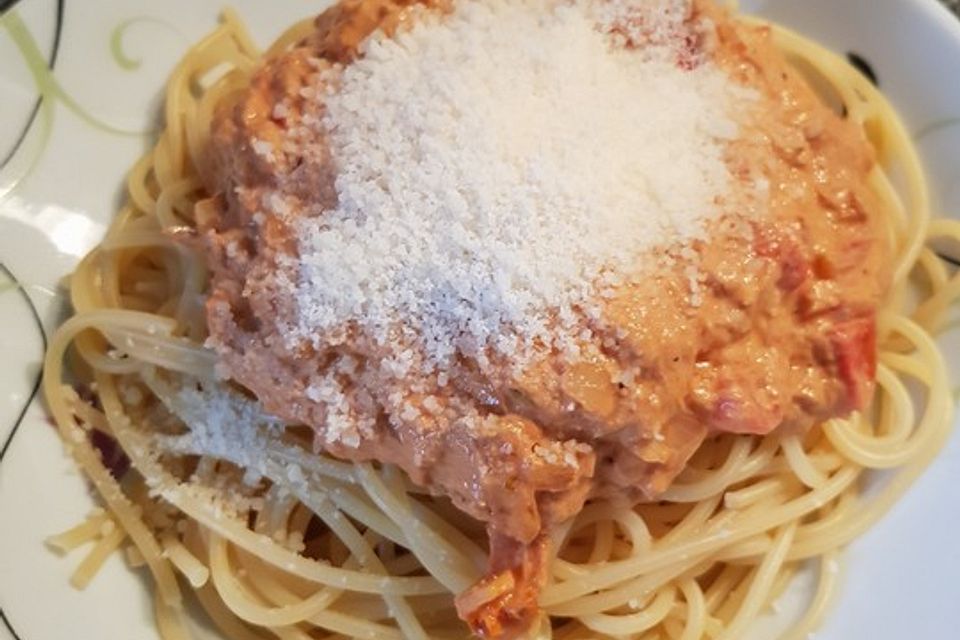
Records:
x=499, y=166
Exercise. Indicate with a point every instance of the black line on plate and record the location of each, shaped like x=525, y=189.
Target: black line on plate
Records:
x=949, y=259
x=36, y=384
x=36, y=387
x=863, y=66
x=51, y=62
x=953, y=5
x=9, y=625
x=4, y=5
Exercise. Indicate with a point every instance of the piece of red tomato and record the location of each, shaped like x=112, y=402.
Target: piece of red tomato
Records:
x=854, y=345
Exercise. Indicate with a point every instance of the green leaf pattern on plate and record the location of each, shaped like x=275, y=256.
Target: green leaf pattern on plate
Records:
x=50, y=93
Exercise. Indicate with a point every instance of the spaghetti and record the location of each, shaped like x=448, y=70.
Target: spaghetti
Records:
x=367, y=554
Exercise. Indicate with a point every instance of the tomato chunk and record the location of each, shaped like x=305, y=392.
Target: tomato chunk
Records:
x=854, y=345
x=503, y=604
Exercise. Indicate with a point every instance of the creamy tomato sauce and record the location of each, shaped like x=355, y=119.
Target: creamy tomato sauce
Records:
x=768, y=325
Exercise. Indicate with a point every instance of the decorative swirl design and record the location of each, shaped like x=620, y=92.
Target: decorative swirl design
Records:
x=44, y=78
x=50, y=92
x=117, y=49
x=14, y=286
x=51, y=62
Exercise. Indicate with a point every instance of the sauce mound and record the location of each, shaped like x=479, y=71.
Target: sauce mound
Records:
x=536, y=252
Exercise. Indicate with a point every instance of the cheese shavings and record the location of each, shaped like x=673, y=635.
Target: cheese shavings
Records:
x=498, y=166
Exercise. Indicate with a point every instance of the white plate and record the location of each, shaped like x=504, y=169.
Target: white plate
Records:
x=902, y=577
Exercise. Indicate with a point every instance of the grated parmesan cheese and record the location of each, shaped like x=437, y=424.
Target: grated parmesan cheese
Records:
x=497, y=168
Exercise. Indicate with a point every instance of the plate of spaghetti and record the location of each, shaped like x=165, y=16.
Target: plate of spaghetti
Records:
x=505, y=319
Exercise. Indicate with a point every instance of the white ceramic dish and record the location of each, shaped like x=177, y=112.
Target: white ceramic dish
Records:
x=60, y=183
